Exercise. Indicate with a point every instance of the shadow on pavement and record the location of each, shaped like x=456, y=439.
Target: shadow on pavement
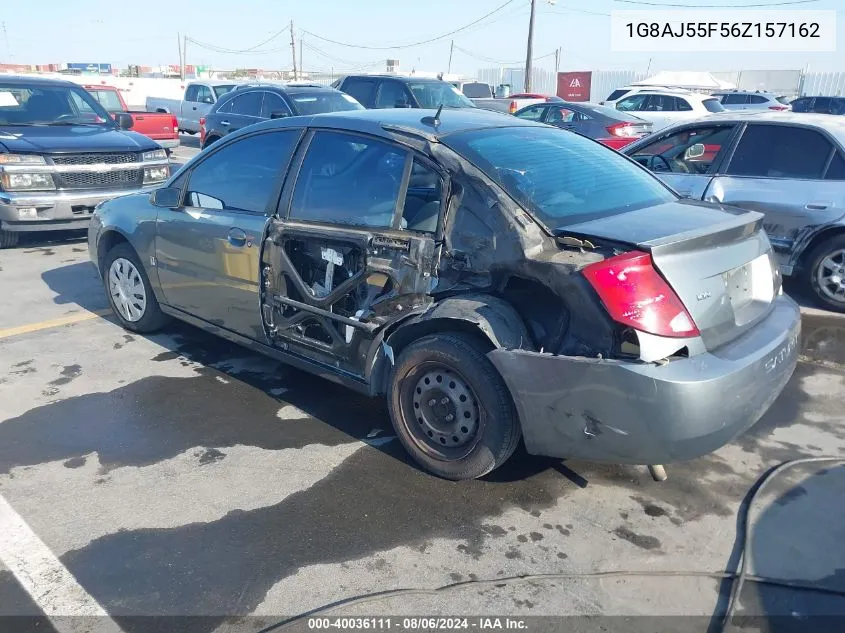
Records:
x=77, y=284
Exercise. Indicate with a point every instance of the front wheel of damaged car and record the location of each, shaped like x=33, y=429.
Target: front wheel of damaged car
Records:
x=129, y=291
x=451, y=409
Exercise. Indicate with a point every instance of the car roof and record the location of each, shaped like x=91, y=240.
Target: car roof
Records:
x=831, y=123
x=283, y=88
x=744, y=92
x=678, y=93
x=213, y=82
x=18, y=80
x=407, y=120
x=398, y=77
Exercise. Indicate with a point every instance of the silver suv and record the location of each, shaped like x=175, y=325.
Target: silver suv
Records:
x=752, y=101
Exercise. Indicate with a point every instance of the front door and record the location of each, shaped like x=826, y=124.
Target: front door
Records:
x=245, y=110
x=687, y=159
x=787, y=172
x=350, y=252
x=208, y=250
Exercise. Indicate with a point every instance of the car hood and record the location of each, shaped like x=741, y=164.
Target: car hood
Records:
x=71, y=138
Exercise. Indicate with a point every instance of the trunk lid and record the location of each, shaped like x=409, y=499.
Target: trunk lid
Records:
x=718, y=260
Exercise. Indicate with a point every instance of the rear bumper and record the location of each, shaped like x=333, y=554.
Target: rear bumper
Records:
x=637, y=413
x=55, y=211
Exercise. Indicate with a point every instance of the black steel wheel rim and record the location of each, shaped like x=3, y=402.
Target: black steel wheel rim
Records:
x=440, y=411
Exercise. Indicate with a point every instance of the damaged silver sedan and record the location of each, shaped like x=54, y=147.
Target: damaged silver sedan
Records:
x=493, y=278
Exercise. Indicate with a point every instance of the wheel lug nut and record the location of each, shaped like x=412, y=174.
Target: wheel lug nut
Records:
x=450, y=417
x=444, y=401
x=432, y=402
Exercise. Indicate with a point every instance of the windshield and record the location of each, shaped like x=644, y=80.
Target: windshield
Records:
x=221, y=90
x=34, y=104
x=318, y=102
x=561, y=178
x=108, y=99
x=433, y=94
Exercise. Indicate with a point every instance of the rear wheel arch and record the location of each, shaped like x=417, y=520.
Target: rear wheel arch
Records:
x=802, y=259
x=490, y=322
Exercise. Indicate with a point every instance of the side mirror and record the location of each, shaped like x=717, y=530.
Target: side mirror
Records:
x=278, y=114
x=694, y=151
x=124, y=121
x=168, y=197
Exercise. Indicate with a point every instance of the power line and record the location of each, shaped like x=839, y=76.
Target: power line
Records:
x=243, y=51
x=717, y=6
x=420, y=43
x=229, y=51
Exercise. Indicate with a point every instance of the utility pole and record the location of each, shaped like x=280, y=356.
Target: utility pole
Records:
x=557, y=62
x=301, y=58
x=293, y=49
x=6, y=37
x=184, y=58
x=530, y=48
x=179, y=48
x=451, y=50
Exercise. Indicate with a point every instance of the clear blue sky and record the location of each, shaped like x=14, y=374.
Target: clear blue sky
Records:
x=145, y=33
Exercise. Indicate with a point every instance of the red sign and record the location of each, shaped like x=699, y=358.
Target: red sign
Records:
x=574, y=86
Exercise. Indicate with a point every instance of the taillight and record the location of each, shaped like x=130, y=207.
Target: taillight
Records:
x=202, y=122
x=779, y=107
x=512, y=107
x=635, y=294
x=174, y=122
x=623, y=129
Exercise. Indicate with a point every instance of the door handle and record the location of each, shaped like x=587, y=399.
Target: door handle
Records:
x=237, y=237
x=224, y=123
x=818, y=206
x=139, y=118
x=193, y=107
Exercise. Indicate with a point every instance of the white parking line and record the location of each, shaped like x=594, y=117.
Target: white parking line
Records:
x=49, y=583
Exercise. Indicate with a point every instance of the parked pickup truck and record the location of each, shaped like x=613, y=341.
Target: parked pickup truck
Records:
x=61, y=154
x=197, y=102
x=159, y=126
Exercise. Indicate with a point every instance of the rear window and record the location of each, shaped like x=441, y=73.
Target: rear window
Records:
x=612, y=113
x=617, y=94
x=782, y=100
x=319, y=102
x=108, y=99
x=561, y=178
x=221, y=90
x=477, y=91
x=713, y=105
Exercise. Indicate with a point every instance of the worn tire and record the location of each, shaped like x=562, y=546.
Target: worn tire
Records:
x=498, y=431
x=153, y=318
x=9, y=239
x=814, y=260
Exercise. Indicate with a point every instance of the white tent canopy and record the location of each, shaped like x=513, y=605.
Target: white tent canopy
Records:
x=686, y=79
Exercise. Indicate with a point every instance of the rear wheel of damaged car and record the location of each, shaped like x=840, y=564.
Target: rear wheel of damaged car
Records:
x=450, y=407
x=826, y=272
x=130, y=294
x=8, y=239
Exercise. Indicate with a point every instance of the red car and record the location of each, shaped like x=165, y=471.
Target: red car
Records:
x=162, y=127
x=606, y=125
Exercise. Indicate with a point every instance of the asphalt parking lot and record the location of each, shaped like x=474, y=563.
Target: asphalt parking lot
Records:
x=180, y=475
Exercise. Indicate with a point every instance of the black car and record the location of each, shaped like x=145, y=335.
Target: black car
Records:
x=252, y=103
x=819, y=105
x=609, y=126
x=396, y=91
x=491, y=277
